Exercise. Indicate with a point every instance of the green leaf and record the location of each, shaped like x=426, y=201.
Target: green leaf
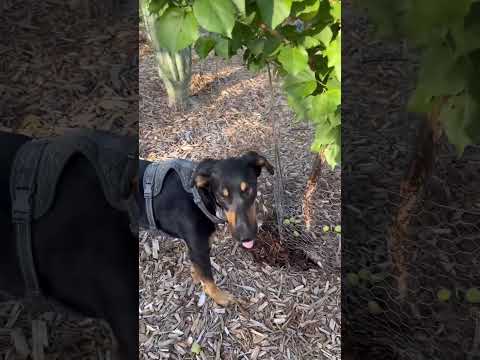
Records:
x=333, y=152
x=241, y=35
x=336, y=10
x=309, y=42
x=255, y=64
x=472, y=117
x=176, y=29
x=240, y=4
x=333, y=52
x=440, y=59
x=325, y=103
x=293, y=59
x=256, y=46
x=325, y=36
x=248, y=19
x=324, y=135
x=204, y=45
x=196, y=349
x=273, y=12
x=217, y=16
x=426, y=15
x=452, y=117
x=300, y=85
x=420, y=100
x=301, y=106
x=335, y=119
x=272, y=46
x=222, y=47
x=157, y=6
x=305, y=7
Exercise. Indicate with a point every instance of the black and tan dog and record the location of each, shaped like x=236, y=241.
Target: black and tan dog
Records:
x=228, y=184
x=84, y=253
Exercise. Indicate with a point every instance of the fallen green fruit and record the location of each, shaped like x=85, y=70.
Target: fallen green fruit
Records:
x=326, y=228
x=364, y=274
x=286, y=222
x=374, y=307
x=444, y=294
x=473, y=295
x=196, y=349
x=296, y=233
x=338, y=229
x=352, y=278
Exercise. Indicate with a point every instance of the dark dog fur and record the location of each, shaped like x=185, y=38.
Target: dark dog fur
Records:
x=231, y=183
x=86, y=256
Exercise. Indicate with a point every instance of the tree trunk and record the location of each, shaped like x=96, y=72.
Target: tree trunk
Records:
x=175, y=69
x=411, y=192
x=310, y=190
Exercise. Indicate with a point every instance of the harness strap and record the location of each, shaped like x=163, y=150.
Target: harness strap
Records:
x=148, y=186
x=130, y=172
x=199, y=202
x=23, y=177
x=148, y=182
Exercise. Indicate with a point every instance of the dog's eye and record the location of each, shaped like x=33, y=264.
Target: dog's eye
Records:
x=225, y=193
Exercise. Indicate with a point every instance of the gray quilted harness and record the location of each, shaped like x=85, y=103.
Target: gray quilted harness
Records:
x=36, y=170
x=153, y=178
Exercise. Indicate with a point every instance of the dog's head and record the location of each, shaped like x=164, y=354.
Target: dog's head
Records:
x=233, y=183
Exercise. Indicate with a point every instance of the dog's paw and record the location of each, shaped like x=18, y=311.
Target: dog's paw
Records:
x=223, y=298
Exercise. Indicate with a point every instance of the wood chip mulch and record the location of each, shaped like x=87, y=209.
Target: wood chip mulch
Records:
x=59, y=70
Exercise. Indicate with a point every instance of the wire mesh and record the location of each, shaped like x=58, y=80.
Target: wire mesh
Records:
x=323, y=250
x=439, y=316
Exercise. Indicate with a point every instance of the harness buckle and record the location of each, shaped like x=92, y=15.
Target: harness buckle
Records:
x=147, y=191
x=21, y=206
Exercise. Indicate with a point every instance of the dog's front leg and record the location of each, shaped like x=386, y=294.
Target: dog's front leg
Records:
x=202, y=273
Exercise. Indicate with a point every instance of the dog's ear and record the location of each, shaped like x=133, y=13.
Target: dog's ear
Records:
x=258, y=162
x=202, y=175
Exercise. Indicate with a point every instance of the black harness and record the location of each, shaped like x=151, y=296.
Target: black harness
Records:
x=36, y=169
x=153, y=178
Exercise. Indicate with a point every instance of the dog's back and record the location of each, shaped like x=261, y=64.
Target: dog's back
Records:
x=86, y=257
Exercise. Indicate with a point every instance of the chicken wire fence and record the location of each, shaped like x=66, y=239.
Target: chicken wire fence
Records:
x=320, y=247
x=439, y=316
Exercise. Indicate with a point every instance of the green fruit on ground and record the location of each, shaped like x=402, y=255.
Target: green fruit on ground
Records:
x=444, y=294
x=473, y=295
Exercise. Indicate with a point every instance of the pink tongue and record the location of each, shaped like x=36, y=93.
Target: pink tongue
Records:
x=248, y=244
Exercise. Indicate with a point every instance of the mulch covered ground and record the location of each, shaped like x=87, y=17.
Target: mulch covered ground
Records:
x=292, y=303
x=59, y=70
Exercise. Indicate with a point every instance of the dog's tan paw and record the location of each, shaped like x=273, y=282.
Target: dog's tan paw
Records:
x=223, y=298
x=220, y=297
